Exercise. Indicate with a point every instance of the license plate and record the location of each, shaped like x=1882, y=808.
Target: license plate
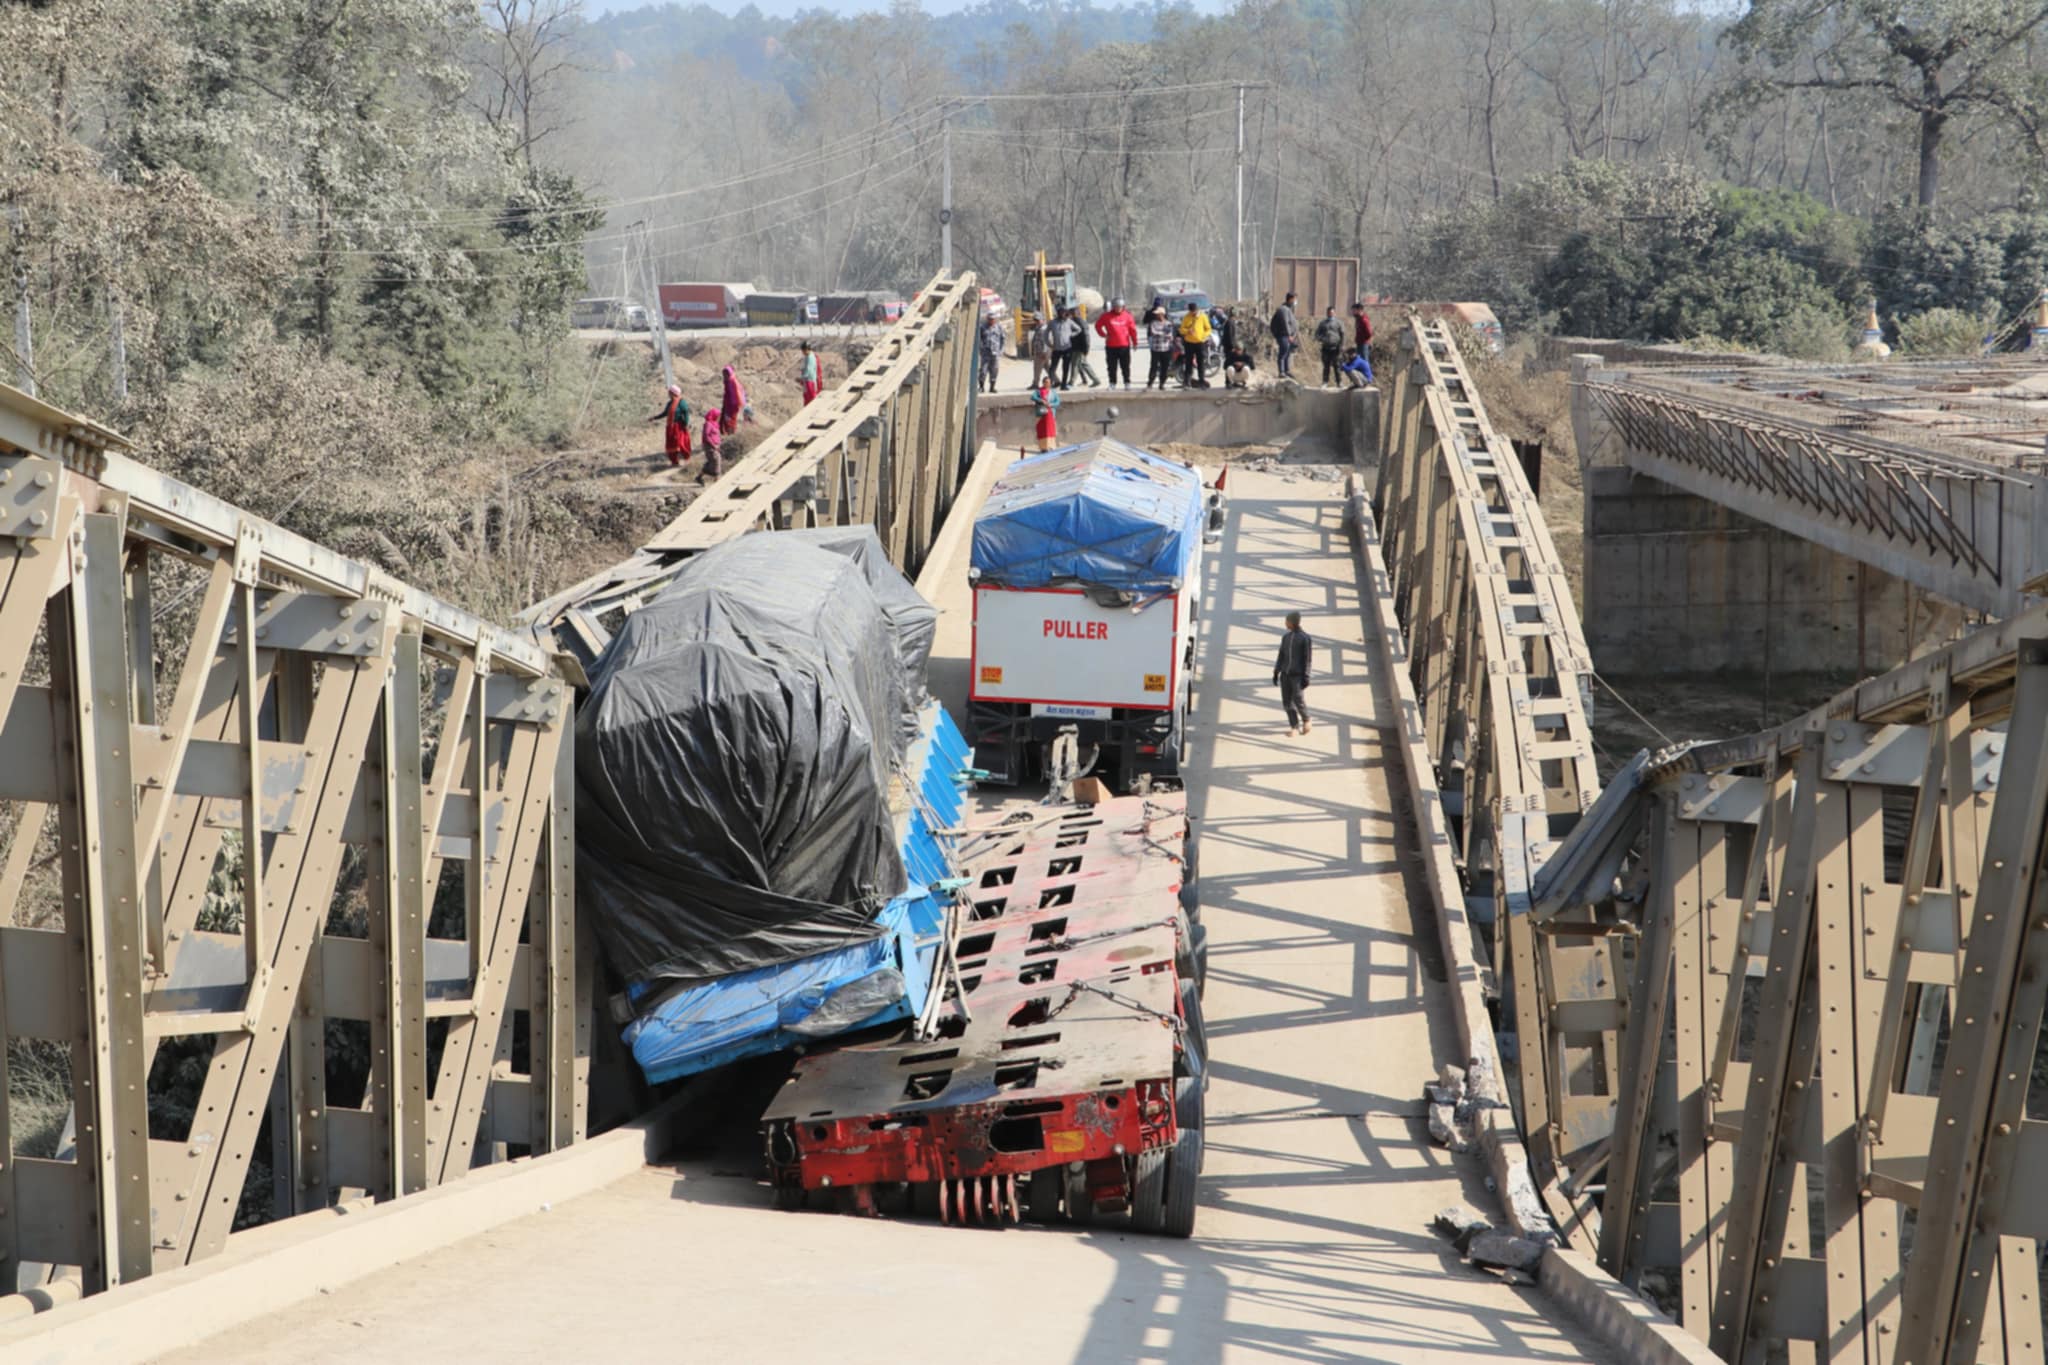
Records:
x=1065, y=712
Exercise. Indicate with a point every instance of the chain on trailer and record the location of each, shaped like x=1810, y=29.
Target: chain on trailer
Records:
x=1063, y=1075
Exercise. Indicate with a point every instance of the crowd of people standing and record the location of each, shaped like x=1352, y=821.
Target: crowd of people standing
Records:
x=1190, y=349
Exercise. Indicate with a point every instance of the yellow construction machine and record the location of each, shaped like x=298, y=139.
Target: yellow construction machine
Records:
x=1047, y=290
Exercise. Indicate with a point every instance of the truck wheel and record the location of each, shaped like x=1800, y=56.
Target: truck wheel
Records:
x=1183, y=1181
x=1191, y=1017
x=1198, y=938
x=1080, y=1208
x=789, y=1198
x=1042, y=1195
x=1187, y=1099
x=1148, y=1190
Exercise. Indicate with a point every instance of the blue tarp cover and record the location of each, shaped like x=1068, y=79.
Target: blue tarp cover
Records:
x=886, y=978
x=1100, y=513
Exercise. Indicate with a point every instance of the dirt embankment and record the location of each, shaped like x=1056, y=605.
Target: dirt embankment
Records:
x=603, y=497
x=1530, y=404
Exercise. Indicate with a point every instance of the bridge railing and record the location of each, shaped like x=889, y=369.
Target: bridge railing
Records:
x=888, y=447
x=1963, y=527
x=287, y=878
x=287, y=846
x=1777, y=1000
x=1498, y=662
x=1845, y=956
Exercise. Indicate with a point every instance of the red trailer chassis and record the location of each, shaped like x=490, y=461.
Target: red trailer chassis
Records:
x=1066, y=1079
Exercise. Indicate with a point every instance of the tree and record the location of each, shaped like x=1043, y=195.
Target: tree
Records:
x=528, y=49
x=1938, y=60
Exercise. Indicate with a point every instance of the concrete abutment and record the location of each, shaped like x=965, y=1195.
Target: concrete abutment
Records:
x=1677, y=584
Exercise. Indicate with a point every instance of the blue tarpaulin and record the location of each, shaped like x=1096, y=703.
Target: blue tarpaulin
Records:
x=878, y=981
x=1100, y=513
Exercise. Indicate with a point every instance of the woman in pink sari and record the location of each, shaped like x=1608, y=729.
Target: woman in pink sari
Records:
x=735, y=402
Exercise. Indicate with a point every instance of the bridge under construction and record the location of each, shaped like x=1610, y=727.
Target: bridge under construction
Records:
x=1745, y=1031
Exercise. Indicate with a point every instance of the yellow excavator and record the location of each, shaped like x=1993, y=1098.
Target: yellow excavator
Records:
x=1047, y=289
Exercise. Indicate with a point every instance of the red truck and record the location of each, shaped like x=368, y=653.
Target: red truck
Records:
x=705, y=305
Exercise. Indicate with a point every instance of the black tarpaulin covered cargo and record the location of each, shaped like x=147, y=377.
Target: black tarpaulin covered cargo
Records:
x=733, y=761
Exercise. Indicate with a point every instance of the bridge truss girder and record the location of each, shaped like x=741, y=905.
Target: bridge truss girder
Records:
x=1852, y=916
x=1500, y=671
x=399, y=770
x=888, y=448
x=1778, y=999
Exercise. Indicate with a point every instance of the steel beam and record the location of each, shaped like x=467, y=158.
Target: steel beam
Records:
x=242, y=867
x=888, y=447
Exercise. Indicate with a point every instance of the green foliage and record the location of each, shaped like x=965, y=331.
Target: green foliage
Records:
x=1655, y=254
x=1944, y=332
x=1810, y=331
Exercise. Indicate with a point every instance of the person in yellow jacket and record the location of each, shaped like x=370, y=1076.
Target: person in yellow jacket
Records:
x=1194, y=340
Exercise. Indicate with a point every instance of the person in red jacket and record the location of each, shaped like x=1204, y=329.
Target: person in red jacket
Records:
x=1119, y=332
x=1361, y=329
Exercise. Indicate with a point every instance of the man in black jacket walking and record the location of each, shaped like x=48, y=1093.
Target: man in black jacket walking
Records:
x=1290, y=673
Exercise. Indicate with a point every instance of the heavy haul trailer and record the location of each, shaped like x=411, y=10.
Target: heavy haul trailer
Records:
x=1066, y=1069
x=1087, y=571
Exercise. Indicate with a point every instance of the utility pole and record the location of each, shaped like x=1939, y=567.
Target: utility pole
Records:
x=1239, y=292
x=117, y=338
x=117, y=346
x=24, y=339
x=650, y=296
x=946, y=197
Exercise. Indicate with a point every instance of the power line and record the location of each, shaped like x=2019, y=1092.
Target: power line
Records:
x=600, y=239
x=922, y=116
x=663, y=256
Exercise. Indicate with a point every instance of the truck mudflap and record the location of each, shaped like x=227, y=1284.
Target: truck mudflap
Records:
x=1065, y=1071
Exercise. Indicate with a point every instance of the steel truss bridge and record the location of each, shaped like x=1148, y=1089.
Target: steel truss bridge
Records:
x=1755, y=1026
x=1775, y=1004
x=182, y=683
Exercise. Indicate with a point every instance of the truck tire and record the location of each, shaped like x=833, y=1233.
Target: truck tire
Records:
x=1191, y=1017
x=1183, y=1185
x=1080, y=1208
x=1042, y=1195
x=1148, y=1190
x=1187, y=1100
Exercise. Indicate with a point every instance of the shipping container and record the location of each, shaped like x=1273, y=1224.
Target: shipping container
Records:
x=1321, y=281
x=781, y=310
x=866, y=305
x=705, y=305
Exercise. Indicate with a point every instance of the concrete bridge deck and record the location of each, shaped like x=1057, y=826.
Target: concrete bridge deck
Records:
x=1327, y=1012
